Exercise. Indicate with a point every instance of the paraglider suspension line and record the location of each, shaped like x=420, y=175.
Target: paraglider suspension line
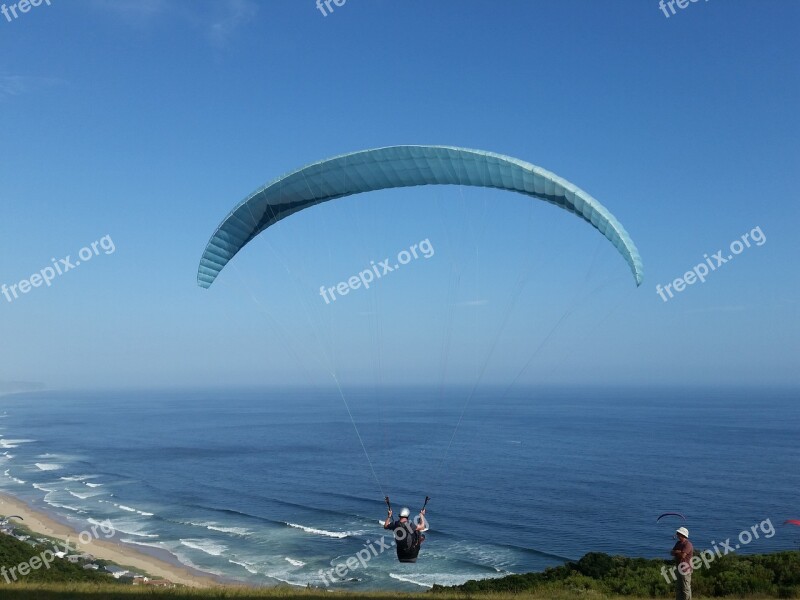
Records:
x=358, y=434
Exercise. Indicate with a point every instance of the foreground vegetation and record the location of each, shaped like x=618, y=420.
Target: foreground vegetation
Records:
x=110, y=592
x=101, y=592
x=765, y=575
x=14, y=553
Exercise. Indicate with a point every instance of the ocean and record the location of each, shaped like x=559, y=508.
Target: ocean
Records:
x=273, y=486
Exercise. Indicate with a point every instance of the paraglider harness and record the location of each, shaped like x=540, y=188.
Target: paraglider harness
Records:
x=406, y=537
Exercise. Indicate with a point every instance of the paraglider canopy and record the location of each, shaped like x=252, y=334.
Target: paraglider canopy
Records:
x=670, y=514
x=395, y=167
x=5, y=519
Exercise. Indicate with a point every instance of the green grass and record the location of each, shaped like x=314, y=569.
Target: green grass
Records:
x=106, y=592
x=100, y=592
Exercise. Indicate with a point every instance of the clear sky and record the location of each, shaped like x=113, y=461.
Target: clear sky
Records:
x=148, y=120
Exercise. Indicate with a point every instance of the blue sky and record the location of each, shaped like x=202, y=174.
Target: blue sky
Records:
x=147, y=121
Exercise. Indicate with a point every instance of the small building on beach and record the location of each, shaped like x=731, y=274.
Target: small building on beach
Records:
x=116, y=572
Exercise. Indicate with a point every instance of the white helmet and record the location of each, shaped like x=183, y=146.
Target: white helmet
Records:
x=683, y=531
x=405, y=512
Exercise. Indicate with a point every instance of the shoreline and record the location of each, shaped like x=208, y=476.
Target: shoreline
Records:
x=42, y=523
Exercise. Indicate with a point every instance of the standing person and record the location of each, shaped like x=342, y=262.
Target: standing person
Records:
x=407, y=535
x=683, y=552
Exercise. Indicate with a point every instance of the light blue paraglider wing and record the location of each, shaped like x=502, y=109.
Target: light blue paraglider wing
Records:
x=402, y=166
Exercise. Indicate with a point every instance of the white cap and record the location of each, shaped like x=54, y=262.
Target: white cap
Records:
x=683, y=531
x=405, y=512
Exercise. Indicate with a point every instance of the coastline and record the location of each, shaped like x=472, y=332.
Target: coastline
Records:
x=38, y=521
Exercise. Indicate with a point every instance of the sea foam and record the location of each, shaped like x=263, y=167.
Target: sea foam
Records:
x=49, y=466
x=13, y=443
x=333, y=534
x=429, y=579
x=127, y=528
x=147, y=544
x=207, y=546
x=8, y=474
x=214, y=526
x=247, y=566
x=294, y=562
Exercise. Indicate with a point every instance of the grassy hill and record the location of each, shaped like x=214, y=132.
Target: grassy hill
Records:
x=765, y=575
x=101, y=592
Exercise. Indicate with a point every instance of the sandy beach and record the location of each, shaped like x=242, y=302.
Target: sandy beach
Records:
x=107, y=549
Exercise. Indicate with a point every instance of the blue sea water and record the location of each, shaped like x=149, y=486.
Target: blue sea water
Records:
x=269, y=486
